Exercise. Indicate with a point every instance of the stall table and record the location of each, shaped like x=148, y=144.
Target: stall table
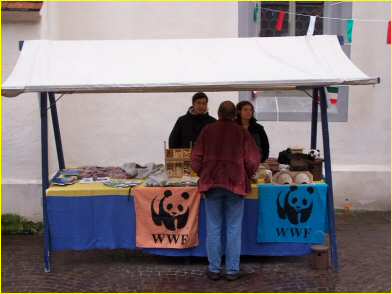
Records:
x=94, y=216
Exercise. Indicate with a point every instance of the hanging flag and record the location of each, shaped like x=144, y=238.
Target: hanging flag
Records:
x=279, y=23
x=389, y=33
x=341, y=40
x=333, y=89
x=254, y=94
x=256, y=13
x=167, y=217
x=312, y=23
x=292, y=214
x=332, y=94
x=350, y=26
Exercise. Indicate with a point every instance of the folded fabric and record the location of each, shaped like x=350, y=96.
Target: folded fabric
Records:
x=137, y=171
x=293, y=213
x=167, y=217
x=70, y=172
x=122, y=183
x=63, y=181
x=99, y=172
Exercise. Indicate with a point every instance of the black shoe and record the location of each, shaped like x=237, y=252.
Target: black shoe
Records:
x=233, y=277
x=213, y=276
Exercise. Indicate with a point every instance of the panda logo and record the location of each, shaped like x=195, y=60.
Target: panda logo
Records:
x=314, y=153
x=297, y=206
x=172, y=212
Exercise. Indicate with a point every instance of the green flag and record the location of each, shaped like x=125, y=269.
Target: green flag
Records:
x=332, y=89
x=256, y=13
x=350, y=26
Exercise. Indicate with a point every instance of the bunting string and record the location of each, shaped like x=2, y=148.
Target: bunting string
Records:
x=326, y=17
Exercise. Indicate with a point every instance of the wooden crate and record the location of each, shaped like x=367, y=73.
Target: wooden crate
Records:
x=178, y=162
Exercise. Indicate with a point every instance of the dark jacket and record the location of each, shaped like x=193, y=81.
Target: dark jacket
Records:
x=188, y=128
x=258, y=133
x=225, y=156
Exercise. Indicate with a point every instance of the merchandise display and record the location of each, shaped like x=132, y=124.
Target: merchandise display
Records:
x=286, y=177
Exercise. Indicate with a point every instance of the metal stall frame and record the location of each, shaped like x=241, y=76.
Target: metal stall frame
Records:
x=318, y=100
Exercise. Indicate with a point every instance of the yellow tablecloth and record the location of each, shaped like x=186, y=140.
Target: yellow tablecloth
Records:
x=99, y=189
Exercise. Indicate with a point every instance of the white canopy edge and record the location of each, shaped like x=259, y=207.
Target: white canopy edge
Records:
x=182, y=65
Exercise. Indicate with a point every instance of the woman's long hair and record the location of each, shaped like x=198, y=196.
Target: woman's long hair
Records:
x=239, y=107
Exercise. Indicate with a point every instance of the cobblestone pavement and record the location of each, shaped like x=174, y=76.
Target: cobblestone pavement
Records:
x=364, y=251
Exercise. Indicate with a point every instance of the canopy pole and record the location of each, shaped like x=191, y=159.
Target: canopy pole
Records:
x=313, y=139
x=56, y=129
x=328, y=177
x=45, y=176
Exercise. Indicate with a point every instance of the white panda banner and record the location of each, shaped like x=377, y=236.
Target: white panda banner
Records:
x=167, y=217
x=296, y=213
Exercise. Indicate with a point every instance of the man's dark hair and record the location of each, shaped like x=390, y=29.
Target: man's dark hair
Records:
x=226, y=110
x=199, y=95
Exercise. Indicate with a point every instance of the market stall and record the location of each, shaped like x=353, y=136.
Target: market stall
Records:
x=186, y=65
x=84, y=217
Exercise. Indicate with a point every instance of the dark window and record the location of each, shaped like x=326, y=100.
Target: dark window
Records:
x=269, y=18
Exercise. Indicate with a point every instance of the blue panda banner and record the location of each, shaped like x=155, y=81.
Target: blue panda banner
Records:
x=292, y=213
x=167, y=217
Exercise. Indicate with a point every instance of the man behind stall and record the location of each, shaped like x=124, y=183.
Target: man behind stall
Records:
x=188, y=127
x=225, y=157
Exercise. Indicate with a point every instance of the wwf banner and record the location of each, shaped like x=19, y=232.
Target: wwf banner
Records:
x=292, y=213
x=167, y=217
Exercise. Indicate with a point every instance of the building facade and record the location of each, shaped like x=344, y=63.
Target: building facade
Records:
x=111, y=129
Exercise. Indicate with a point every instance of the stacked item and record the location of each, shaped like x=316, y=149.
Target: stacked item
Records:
x=303, y=168
x=66, y=177
x=119, y=183
x=102, y=172
x=263, y=174
x=272, y=164
x=134, y=170
x=129, y=175
x=178, y=162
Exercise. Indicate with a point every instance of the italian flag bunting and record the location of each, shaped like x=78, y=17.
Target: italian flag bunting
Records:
x=332, y=95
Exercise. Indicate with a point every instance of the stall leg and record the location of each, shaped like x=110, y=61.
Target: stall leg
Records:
x=56, y=129
x=45, y=176
x=328, y=177
x=313, y=139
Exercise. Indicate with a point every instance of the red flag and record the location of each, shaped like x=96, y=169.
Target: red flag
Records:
x=279, y=23
x=389, y=33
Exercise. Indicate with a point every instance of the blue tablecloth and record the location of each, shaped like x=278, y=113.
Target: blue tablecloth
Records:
x=108, y=222
x=295, y=214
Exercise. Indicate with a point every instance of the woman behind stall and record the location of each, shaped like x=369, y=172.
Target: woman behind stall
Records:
x=245, y=117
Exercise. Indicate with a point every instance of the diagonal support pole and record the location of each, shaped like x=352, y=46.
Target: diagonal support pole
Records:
x=56, y=130
x=328, y=178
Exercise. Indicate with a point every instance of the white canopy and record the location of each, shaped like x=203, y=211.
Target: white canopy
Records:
x=227, y=64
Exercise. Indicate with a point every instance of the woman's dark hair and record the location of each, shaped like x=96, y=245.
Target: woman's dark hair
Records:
x=239, y=107
x=199, y=95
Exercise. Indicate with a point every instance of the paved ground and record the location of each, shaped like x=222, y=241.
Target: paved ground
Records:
x=363, y=240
